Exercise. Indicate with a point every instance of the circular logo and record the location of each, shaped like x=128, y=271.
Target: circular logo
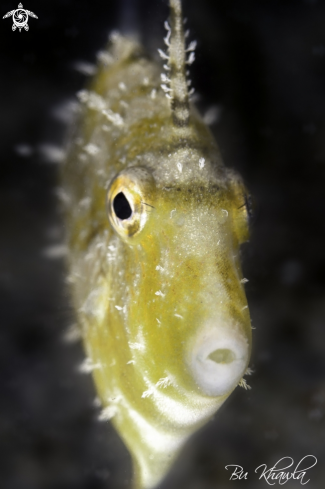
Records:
x=20, y=18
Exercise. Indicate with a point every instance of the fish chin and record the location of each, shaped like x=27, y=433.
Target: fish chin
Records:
x=218, y=358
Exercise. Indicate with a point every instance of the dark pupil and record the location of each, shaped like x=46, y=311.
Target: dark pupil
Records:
x=121, y=206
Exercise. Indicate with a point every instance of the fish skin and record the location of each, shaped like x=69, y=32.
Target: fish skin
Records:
x=151, y=294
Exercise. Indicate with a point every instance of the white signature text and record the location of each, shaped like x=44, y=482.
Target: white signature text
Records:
x=279, y=472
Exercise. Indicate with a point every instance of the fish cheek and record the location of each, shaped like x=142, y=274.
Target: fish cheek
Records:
x=155, y=300
x=177, y=311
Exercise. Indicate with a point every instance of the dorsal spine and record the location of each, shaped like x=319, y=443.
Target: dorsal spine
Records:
x=177, y=66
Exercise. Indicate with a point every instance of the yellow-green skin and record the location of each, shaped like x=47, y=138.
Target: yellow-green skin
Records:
x=146, y=301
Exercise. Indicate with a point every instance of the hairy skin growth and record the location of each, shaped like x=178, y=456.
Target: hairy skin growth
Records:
x=154, y=225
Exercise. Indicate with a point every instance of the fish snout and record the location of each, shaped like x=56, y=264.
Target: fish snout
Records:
x=218, y=358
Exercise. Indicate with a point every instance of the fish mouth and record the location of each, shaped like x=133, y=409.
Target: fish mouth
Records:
x=218, y=358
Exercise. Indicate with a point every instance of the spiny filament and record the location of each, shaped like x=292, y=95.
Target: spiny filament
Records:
x=177, y=88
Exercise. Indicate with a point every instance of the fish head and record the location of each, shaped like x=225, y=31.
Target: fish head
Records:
x=186, y=308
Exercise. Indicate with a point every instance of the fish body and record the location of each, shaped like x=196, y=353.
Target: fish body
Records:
x=154, y=223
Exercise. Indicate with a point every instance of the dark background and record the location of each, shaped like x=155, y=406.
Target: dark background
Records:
x=262, y=64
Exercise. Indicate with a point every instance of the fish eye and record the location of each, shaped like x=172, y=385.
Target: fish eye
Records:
x=130, y=201
x=121, y=206
x=243, y=211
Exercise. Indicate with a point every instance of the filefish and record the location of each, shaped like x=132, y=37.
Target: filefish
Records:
x=154, y=224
